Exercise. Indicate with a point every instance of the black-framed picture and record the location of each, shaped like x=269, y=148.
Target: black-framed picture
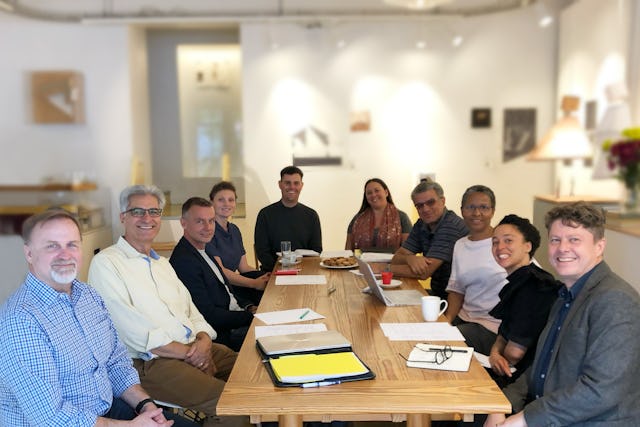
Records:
x=519, y=132
x=481, y=117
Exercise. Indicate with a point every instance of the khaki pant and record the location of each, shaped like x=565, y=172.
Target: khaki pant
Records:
x=175, y=381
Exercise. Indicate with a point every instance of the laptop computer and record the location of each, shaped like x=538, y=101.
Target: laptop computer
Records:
x=389, y=298
x=306, y=342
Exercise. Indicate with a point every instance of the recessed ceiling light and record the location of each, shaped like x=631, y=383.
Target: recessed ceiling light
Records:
x=417, y=4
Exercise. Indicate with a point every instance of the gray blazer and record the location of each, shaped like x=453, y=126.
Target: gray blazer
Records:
x=595, y=367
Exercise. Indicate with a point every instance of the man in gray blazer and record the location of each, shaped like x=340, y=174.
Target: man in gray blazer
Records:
x=587, y=362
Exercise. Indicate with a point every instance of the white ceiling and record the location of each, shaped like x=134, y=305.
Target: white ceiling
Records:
x=238, y=10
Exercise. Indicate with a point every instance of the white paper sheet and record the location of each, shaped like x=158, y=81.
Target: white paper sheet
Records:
x=289, y=316
x=302, y=279
x=459, y=360
x=269, y=331
x=306, y=252
x=376, y=257
x=332, y=254
x=425, y=331
x=484, y=361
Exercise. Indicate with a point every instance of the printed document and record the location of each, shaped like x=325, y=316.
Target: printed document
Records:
x=302, y=279
x=425, y=331
x=424, y=356
x=288, y=316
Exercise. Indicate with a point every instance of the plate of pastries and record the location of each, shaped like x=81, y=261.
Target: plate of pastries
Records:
x=339, y=262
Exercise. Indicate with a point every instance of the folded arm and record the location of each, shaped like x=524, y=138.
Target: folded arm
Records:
x=406, y=264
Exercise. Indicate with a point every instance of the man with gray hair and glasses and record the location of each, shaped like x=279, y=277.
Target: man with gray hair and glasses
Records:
x=433, y=235
x=166, y=336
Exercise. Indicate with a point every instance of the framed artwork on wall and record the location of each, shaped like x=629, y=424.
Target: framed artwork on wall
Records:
x=481, y=117
x=57, y=97
x=519, y=132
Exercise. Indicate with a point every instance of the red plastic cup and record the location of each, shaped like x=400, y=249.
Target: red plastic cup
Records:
x=386, y=277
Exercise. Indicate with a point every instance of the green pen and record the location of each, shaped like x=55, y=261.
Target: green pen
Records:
x=304, y=314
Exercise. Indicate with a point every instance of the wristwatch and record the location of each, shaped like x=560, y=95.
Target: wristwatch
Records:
x=143, y=402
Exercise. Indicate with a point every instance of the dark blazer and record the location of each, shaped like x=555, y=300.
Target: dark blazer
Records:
x=207, y=292
x=592, y=378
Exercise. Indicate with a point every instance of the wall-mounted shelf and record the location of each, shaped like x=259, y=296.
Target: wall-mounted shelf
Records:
x=82, y=199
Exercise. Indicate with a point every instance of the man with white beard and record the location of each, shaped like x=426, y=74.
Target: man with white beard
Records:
x=62, y=363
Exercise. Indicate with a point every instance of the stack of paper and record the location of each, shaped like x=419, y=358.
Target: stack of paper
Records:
x=301, y=368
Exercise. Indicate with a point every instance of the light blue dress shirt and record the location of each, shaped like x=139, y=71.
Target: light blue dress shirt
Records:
x=61, y=361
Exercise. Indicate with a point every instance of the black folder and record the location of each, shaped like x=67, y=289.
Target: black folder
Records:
x=318, y=371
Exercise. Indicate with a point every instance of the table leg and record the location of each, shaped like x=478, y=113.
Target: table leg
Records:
x=418, y=420
x=290, y=420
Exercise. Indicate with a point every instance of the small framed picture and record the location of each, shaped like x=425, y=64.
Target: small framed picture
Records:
x=481, y=117
x=519, y=132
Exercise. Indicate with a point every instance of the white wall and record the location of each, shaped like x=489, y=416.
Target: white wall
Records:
x=420, y=102
x=102, y=147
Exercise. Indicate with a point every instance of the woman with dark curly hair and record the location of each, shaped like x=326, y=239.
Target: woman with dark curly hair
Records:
x=525, y=300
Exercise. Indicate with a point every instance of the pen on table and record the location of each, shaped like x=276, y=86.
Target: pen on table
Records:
x=453, y=350
x=319, y=384
x=302, y=316
x=331, y=290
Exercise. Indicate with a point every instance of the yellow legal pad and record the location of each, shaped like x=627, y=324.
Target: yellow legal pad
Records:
x=302, y=368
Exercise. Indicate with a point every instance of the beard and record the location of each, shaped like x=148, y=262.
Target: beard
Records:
x=65, y=276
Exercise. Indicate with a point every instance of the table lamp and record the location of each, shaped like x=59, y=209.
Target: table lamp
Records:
x=566, y=140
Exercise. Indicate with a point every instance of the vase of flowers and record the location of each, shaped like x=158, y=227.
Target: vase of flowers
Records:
x=624, y=157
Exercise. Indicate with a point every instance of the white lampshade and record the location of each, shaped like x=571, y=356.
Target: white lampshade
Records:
x=567, y=138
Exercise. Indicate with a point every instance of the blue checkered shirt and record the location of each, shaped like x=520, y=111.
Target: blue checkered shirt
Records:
x=61, y=362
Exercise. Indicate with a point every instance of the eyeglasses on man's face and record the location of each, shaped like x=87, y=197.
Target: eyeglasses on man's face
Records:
x=482, y=208
x=441, y=355
x=429, y=203
x=140, y=212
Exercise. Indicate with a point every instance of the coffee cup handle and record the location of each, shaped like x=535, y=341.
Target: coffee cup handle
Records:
x=446, y=305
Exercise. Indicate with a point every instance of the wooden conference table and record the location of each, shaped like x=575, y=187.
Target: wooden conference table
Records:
x=398, y=393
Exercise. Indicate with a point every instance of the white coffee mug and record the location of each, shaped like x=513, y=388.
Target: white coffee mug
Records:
x=432, y=308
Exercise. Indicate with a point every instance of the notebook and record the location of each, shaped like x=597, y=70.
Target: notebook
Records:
x=301, y=368
x=302, y=343
x=389, y=298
